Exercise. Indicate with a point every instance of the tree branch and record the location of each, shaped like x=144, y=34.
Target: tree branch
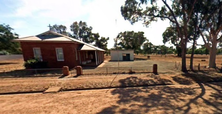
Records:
x=206, y=44
x=219, y=29
x=171, y=11
x=191, y=11
x=219, y=38
x=163, y=17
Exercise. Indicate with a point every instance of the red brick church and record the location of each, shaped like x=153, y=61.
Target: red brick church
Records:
x=59, y=50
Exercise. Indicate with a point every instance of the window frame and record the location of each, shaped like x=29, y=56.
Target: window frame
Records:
x=35, y=54
x=57, y=54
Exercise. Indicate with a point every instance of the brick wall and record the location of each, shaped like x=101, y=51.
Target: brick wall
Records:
x=49, y=53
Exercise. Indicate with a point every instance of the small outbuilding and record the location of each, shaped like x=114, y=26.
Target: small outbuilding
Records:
x=122, y=55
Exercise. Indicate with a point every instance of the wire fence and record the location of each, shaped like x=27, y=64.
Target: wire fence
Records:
x=117, y=70
x=198, y=67
x=86, y=71
x=31, y=72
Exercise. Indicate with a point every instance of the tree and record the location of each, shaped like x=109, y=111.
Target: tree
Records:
x=81, y=31
x=61, y=29
x=100, y=42
x=6, y=37
x=170, y=35
x=210, y=26
x=147, y=47
x=178, y=13
x=130, y=40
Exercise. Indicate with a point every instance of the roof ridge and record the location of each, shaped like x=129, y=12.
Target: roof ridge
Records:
x=78, y=41
x=26, y=37
x=69, y=38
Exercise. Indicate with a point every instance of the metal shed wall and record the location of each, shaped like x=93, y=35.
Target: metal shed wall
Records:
x=118, y=54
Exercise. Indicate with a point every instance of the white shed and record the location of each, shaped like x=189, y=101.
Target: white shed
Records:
x=122, y=55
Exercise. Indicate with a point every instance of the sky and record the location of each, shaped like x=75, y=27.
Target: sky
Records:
x=32, y=17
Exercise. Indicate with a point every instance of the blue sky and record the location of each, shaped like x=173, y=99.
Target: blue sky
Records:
x=31, y=17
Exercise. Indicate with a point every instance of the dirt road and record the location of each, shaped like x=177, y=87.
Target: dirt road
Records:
x=200, y=98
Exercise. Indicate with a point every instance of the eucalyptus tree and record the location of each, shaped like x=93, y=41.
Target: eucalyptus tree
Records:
x=148, y=47
x=178, y=12
x=170, y=35
x=59, y=29
x=130, y=40
x=6, y=37
x=210, y=26
x=81, y=31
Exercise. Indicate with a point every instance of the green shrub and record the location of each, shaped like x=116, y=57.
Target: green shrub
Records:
x=3, y=52
x=35, y=63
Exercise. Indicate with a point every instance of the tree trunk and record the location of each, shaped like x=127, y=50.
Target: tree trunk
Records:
x=194, y=42
x=213, y=52
x=192, y=54
x=184, y=49
x=178, y=49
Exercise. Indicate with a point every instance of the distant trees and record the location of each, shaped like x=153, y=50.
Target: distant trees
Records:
x=139, y=43
x=61, y=29
x=100, y=42
x=201, y=50
x=81, y=31
x=130, y=40
x=148, y=47
x=170, y=35
x=6, y=37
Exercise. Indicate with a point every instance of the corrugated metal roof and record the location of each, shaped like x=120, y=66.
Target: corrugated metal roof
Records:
x=58, y=38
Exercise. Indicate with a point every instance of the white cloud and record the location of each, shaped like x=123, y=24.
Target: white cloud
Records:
x=18, y=24
x=106, y=19
x=57, y=9
x=100, y=14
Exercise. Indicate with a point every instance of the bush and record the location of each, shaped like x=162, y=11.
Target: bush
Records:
x=35, y=63
x=3, y=52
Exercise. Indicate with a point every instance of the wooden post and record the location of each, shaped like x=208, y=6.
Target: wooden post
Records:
x=78, y=70
x=65, y=70
x=199, y=67
x=155, y=69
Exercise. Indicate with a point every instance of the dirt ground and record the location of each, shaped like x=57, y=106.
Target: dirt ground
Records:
x=198, y=99
x=198, y=59
x=167, y=92
x=17, y=64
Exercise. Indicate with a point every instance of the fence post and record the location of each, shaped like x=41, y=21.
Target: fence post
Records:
x=199, y=67
x=155, y=69
x=65, y=70
x=78, y=70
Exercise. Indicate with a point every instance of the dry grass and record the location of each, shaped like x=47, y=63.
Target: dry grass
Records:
x=31, y=84
x=11, y=65
x=182, y=95
x=14, y=85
